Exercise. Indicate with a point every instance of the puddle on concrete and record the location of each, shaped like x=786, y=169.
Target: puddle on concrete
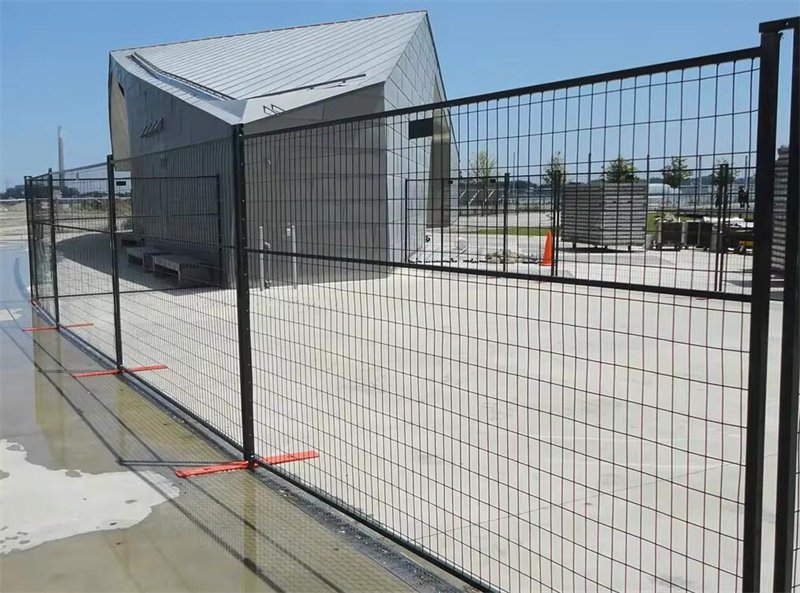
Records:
x=10, y=314
x=55, y=504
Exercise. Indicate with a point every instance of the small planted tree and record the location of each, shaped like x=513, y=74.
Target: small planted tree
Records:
x=483, y=168
x=676, y=172
x=722, y=178
x=555, y=174
x=724, y=173
x=620, y=170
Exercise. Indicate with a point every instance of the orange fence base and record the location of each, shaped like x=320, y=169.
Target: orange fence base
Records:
x=45, y=328
x=236, y=465
x=154, y=367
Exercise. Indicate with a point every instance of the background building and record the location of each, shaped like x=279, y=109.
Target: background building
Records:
x=189, y=95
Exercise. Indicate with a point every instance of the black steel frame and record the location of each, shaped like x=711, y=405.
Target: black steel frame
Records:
x=759, y=315
x=786, y=491
x=243, y=296
x=54, y=258
x=112, y=236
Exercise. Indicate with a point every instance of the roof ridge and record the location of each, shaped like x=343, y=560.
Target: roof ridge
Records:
x=366, y=18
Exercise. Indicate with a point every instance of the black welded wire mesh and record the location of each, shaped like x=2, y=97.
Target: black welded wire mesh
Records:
x=796, y=519
x=41, y=244
x=83, y=254
x=573, y=426
x=177, y=301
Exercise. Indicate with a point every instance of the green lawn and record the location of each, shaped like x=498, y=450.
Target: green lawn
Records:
x=652, y=217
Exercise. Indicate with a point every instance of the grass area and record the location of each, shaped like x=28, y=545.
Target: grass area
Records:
x=519, y=231
x=652, y=217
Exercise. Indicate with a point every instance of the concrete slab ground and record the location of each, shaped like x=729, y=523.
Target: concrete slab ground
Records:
x=89, y=500
x=537, y=436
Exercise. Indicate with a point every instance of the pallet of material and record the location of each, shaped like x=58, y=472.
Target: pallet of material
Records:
x=779, y=212
x=604, y=214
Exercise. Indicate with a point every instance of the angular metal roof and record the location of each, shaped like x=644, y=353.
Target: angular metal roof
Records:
x=315, y=60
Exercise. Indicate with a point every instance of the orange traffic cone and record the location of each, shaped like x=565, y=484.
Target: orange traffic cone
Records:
x=547, y=259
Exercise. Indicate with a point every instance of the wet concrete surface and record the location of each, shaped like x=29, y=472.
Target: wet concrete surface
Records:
x=82, y=459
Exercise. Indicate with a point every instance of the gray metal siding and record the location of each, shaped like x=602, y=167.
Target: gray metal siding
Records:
x=253, y=64
x=183, y=124
x=174, y=212
x=417, y=80
x=329, y=182
x=174, y=208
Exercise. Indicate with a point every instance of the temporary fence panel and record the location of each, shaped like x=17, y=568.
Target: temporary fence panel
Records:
x=177, y=304
x=42, y=279
x=571, y=425
x=526, y=332
x=83, y=252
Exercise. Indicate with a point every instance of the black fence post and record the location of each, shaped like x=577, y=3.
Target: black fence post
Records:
x=243, y=294
x=220, y=251
x=31, y=239
x=441, y=217
x=53, y=258
x=506, y=184
x=759, y=309
x=407, y=225
x=112, y=231
x=555, y=204
x=557, y=221
x=790, y=348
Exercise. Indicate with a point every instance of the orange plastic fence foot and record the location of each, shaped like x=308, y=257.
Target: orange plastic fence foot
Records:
x=236, y=465
x=54, y=327
x=289, y=457
x=211, y=469
x=83, y=374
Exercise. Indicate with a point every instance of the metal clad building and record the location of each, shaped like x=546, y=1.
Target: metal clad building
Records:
x=183, y=95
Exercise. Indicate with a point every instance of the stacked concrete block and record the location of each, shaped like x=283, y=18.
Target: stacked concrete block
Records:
x=604, y=214
x=779, y=212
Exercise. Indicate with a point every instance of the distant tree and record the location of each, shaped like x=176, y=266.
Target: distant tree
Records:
x=723, y=177
x=555, y=175
x=676, y=173
x=13, y=193
x=724, y=173
x=521, y=184
x=69, y=192
x=620, y=170
x=483, y=168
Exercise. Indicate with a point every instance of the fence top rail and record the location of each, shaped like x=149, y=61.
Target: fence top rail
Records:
x=168, y=178
x=210, y=144
x=750, y=53
x=62, y=175
x=101, y=165
x=71, y=179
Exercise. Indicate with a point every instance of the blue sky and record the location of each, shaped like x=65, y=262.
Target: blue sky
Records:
x=55, y=54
